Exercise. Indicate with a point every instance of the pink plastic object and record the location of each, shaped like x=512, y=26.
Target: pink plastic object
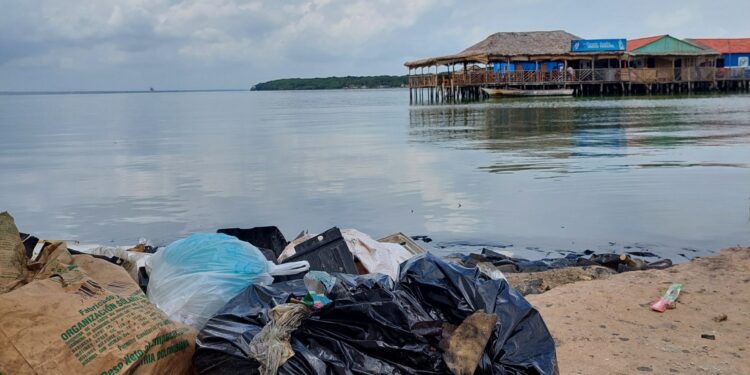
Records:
x=670, y=296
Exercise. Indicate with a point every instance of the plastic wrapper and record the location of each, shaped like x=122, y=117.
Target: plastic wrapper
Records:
x=376, y=325
x=271, y=346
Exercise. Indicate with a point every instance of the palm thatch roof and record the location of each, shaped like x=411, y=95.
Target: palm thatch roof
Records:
x=506, y=45
x=524, y=43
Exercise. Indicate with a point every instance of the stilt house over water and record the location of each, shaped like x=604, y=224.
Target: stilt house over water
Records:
x=734, y=63
x=735, y=52
x=544, y=60
x=666, y=59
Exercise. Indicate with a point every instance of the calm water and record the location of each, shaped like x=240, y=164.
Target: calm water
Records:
x=669, y=175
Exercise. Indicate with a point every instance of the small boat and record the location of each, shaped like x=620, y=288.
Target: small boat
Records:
x=517, y=92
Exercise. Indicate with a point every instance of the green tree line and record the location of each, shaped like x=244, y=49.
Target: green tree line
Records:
x=369, y=82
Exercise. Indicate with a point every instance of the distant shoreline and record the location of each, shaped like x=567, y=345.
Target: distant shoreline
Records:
x=334, y=83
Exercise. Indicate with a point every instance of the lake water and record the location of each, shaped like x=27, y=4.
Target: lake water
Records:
x=536, y=177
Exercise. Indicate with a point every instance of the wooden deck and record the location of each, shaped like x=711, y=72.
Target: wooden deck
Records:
x=465, y=85
x=488, y=78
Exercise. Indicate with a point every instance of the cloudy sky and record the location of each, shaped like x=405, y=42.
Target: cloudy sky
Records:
x=175, y=44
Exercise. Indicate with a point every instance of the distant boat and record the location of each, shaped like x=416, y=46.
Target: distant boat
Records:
x=517, y=92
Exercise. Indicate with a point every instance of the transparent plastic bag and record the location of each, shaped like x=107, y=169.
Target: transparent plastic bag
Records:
x=194, y=277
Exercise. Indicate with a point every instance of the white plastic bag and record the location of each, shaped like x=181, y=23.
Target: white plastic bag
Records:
x=376, y=256
x=134, y=260
x=194, y=277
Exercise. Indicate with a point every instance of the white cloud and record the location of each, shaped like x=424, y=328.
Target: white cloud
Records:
x=672, y=21
x=270, y=39
x=214, y=31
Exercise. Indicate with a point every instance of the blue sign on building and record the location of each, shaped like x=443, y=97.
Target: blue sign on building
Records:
x=598, y=45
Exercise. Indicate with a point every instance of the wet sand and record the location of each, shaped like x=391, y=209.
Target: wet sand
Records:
x=606, y=326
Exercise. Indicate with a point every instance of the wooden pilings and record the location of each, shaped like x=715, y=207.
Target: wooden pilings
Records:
x=449, y=93
x=444, y=94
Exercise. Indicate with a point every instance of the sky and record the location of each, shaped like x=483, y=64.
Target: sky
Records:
x=53, y=45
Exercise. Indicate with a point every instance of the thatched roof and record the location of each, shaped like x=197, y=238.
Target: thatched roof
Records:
x=523, y=43
x=503, y=45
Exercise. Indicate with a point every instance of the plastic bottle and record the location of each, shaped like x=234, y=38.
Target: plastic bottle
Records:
x=669, y=297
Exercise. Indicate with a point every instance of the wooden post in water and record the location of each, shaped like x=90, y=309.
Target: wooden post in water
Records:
x=435, y=84
x=408, y=78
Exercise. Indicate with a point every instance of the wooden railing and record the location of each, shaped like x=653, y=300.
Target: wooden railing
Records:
x=733, y=74
x=579, y=76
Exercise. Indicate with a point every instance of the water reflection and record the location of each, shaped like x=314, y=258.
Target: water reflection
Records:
x=549, y=134
x=658, y=175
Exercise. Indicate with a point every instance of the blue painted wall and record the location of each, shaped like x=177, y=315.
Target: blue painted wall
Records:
x=526, y=66
x=732, y=59
x=501, y=67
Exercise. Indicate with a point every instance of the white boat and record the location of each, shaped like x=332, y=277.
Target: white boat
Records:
x=517, y=92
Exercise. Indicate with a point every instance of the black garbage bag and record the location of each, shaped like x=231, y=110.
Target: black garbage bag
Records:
x=505, y=263
x=371, y=326
x=29, y=243
x=269, y=239
x=376, y=326
x=520, y=344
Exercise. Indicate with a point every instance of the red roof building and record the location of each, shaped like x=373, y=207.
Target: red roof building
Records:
x=726, y=45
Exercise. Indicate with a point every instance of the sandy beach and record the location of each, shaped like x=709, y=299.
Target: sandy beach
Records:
x=605, y=326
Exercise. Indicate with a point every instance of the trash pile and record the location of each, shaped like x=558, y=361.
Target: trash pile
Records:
x=249, y=301
x=493, y=264
x=430, y=321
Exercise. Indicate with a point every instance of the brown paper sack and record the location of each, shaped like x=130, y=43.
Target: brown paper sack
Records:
x=82, y=315
x=12, y=255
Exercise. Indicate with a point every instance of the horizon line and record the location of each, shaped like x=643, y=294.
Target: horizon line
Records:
x=63, y=92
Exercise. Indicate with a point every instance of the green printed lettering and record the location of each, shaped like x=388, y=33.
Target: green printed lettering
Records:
x=126, y=344
x=95, y=306
x=102, y=327
x=174, y=348
x=89, y=359
x=114, y=370
x=159, y=340
x=149, y=358
x=129, y=299
x=70, y=332
x=132, y=357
